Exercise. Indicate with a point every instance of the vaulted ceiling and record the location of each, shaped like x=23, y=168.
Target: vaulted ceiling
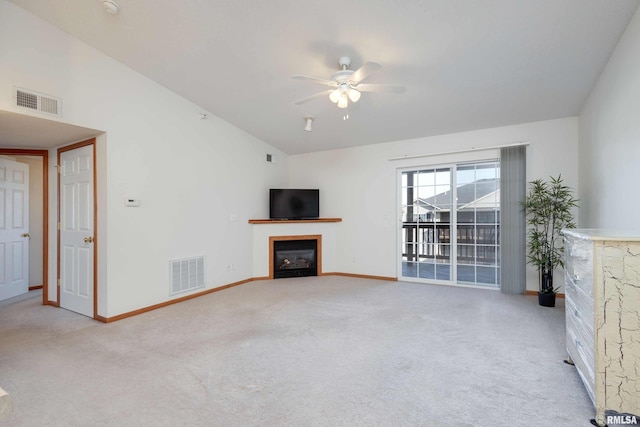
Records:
x=466, y=64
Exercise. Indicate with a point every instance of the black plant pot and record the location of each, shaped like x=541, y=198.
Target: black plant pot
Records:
x=547, y=299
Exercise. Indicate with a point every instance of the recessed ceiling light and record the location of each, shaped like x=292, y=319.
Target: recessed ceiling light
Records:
x=110, y=6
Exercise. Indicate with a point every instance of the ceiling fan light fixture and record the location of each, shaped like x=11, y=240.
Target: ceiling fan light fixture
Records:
x=110, y=6
x=334, y=96
x=345, y=84
x=354, y=95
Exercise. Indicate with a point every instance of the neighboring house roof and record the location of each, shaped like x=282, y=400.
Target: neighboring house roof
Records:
x=490, y=201
x=480, y=194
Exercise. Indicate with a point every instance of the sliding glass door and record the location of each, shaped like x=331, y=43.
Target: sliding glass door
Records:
x=430, y=249
x=478, y=223
x=426, y=223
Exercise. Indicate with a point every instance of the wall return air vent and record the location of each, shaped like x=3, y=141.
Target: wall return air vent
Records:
x=39, y=102
x=186, y=274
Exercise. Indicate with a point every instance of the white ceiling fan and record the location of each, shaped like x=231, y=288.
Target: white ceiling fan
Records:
x=346, y=85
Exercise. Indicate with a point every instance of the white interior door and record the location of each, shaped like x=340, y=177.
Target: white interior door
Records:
x=14, y=228
x=77, y=230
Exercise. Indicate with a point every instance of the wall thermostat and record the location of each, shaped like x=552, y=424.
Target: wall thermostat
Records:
x=133, y=203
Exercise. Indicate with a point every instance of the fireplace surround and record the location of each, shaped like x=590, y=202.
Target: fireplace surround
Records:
x=264, y=230
x=295, y=256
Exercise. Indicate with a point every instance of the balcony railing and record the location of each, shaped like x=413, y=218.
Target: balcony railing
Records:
x=476, y=243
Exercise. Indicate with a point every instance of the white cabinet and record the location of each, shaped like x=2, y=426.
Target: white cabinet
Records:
x=602, y=288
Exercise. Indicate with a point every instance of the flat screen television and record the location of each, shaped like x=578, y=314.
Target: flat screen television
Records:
x=294, y=204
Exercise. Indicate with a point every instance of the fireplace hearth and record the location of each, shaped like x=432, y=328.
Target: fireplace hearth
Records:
x=295, y=258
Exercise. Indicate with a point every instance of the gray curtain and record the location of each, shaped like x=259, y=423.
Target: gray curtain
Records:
x=513, y=187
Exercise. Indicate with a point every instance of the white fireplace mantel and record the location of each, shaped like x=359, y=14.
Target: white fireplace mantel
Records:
x=265, y=229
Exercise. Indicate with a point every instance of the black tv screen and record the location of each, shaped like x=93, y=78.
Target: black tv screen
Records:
x=294, y=204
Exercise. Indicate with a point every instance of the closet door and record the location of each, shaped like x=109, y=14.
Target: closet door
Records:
x=14, y=228
x=77, y=230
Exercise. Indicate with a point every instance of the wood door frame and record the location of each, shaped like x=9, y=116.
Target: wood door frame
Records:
x=81, y=144
x=45, y=212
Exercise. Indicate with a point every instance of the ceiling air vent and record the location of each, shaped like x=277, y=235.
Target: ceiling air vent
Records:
x=37, y=101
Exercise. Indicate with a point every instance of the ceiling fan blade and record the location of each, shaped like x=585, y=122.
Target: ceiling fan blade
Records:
x=380, y=88
x=365, y=71
x=312, y=97
x=316, y=80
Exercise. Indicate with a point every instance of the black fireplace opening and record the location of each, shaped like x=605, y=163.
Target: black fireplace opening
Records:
x=295, y=258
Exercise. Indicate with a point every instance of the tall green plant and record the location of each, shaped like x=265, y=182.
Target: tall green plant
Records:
x=548, y=207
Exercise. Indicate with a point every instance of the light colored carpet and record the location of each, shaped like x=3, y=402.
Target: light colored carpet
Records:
x=325, y=351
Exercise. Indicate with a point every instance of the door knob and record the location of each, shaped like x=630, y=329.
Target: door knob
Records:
x=26, y=235
x=88, y=239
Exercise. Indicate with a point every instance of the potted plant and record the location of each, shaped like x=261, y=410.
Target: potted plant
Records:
x=548, y=207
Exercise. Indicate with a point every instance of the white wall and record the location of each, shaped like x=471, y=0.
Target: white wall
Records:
x=359, y=184
x=190, y=174
x=610, y=140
